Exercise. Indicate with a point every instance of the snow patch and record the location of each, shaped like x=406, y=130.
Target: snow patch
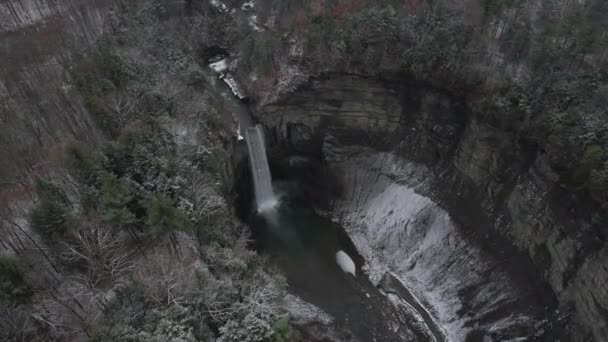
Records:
x=254, y=23
x=400, y=231
x=219, y=5
x=305, y=312
x=345, y=262
x=219, y=66
x=248, y=6
x=234, y=86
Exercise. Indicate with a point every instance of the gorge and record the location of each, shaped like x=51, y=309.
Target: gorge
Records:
x=476, y=288
x=454, y=150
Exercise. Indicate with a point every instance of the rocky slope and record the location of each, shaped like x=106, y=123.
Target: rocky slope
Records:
x=40, y=109
x=471, y=185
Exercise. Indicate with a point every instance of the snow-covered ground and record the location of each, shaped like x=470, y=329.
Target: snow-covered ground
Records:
x=219, y=66
x=304, y=312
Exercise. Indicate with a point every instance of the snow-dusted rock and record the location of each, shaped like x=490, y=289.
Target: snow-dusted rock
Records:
x=219, y=5
x=397, y=229
x=219, y=66
x=304, y=312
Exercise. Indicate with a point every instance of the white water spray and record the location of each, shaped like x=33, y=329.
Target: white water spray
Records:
x=262, y=180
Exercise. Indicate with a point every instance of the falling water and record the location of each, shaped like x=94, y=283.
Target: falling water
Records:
x=262, y=180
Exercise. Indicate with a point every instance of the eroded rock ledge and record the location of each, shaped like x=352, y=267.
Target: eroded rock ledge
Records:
x=401, y=231
x=513, y=228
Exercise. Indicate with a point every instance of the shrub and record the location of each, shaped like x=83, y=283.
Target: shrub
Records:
x=80, y=165
x=115, y=199
x=49, y=218
x=145, y=156
x=51, y=214
x=250, y=329
x=283, y=331
x=593, y=156
x=598, y=183
x=162, y=216
x=173, y=324
x=50, y=192
x=16, y=324
x=111, y=67
x=12, y=285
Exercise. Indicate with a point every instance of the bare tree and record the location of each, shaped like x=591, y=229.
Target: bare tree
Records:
x=165, y=279
x=201, y=199
x=121, y=108
x=106, y=258
x=260, y=297
x=263, y=296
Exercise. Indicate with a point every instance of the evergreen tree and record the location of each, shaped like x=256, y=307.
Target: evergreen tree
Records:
x=12, y=285
x=116, y=196
x=162, y=216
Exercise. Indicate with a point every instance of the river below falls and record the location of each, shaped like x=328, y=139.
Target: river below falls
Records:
x=303, y=244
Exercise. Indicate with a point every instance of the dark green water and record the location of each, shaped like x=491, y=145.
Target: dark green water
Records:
x=299, y=234
x=303, y=244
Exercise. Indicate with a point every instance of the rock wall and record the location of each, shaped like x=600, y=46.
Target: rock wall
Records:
x=39, y=108
x=468, y=291
x=493, y=185
x=366, y=112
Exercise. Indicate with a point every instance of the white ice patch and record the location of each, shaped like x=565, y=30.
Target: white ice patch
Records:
x=219, y=66
x=255, y=25
x=345, y=262
x=219, y=5
x=239, y=136
x=248, y=6
x=234, y=86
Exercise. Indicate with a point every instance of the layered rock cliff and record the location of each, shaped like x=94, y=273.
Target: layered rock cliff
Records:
x=436, y=177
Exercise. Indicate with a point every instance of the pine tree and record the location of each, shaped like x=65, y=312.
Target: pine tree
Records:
x=162, y=216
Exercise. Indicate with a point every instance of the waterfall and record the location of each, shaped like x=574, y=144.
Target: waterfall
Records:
x=262, y=181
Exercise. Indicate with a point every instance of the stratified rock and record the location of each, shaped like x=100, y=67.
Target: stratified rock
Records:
x=504, y=195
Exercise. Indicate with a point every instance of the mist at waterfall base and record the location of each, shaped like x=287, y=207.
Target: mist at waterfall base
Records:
x=264, y=195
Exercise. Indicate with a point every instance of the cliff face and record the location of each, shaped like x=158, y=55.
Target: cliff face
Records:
x=39, y=108
x=469, y=291
x=498, y=193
